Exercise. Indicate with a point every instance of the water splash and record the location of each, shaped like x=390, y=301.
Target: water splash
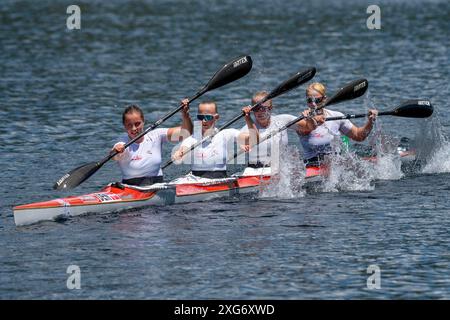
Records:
x=357, y=167
x=388, y=167
x=348, y=172
x=289, y=181
x=433, y=146
x=388, y=164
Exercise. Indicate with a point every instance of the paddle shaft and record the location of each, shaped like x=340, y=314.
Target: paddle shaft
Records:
x=401, y=111
x=226, y=125
x=271, y=134
x=291, y=123
x=351, y=91
x=287, y=125
x=416, y=108
x=239, y=69
x=348, y=116
x=288, y=85
x=152, y=127
x=235, y=69
x=361, y=115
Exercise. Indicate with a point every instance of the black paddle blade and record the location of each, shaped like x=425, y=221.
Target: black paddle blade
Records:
x=414, y=109
x=354, y=89
x=76, y=176
x=233, y=70
x=293, y=82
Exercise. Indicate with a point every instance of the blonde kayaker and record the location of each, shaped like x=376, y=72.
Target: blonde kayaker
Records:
x=209, y=160
x=140, y=163
x=316, y=134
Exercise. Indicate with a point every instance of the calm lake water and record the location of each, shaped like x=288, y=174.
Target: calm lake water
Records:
x=62, y=95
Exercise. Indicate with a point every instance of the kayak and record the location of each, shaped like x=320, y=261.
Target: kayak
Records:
x=118, y=196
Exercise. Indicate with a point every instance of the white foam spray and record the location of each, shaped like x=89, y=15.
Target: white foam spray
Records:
x=347, y=171
x=433, y=146
x=355, y=170
x=288, y=183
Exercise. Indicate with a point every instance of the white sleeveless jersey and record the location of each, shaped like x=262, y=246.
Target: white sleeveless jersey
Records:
x=142, y=159
x=212, y=154
x=319, y=140
x=264, y=150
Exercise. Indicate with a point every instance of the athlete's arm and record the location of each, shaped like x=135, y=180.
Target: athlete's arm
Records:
x=177, y=134
x=309, y=124
x=247, y=139
x=361, y=133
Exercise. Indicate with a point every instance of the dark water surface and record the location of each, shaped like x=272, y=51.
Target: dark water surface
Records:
x=61, y=97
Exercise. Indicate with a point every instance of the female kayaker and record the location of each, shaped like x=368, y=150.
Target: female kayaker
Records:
x=316, y=134
x=209, y=160
x=266, y=122
x=140, y=163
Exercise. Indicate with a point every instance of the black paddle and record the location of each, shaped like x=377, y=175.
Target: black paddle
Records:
x=408, y=109
x=350, y=91
x=233, y=70
x=293, y=82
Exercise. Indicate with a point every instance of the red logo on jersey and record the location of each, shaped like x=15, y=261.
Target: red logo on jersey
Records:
x=317, y=135
x=135, y=158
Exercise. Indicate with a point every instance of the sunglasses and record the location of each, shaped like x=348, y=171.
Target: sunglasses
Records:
x=314, y=100
x=260, y=108
x=206, y=117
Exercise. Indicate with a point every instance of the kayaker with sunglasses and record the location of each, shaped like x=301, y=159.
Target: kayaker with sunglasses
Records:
x=140, y=163
x=316, y=134
x=266, y=122
x=209, y=160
